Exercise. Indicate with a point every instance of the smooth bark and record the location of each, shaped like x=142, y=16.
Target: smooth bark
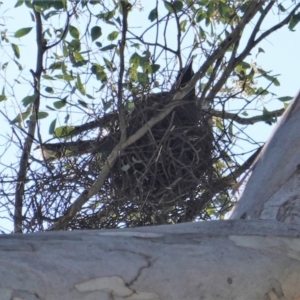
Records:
x=272, y=191
x=236, y=259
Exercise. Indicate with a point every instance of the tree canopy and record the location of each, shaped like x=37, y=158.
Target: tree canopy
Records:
x=131, y=114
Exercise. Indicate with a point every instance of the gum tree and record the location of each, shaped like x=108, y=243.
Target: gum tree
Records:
x=129, y=142
x=137, y=119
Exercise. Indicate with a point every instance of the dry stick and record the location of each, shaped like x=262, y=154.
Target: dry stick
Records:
x=121, y=73
x=254, y=7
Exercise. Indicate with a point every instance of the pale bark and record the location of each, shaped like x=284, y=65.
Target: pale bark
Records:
x=236, y=259
x=273, y=189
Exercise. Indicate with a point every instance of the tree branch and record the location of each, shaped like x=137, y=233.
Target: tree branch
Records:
x=121, y=73
x=32, y=124
x=245, y=121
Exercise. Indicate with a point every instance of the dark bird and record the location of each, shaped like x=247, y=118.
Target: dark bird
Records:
x=184, y=76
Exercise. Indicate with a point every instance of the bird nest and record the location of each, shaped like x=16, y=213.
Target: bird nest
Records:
x=167, y=176
x=161, y=176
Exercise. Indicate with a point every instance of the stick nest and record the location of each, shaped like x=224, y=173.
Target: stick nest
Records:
x=160, y=178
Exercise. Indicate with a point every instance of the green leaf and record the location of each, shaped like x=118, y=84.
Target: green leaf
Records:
x=83, y=103
x=262, y=92
x=40, y=115
x=65, y=77
x=219, y=124
x=203, y=2
x=109, y=47
x=16, y=50
x=109, y=64
x=67, y=117
x=107, y=104
x=78, y=56
x=201, y=15
x=21, y=32
x=3, y=96
x=272, y=78
x=21, y=117
x=50, y=108
x=136, y=45
x=98, y=44
x=65, y=50
x=244, y=65
x=210, y=9
x=152, y=68
x=58, y=65
x=294, y=21
x=52, y=126
x=99, y=72
x=41, y=5
x=94, y=2
x=49, y=90
x=74, y=32
x=80, y=86
x=64, y=131
x=62, y=4
x=96, y=32
x=113, y=35
x=281, y=8
x=19, y=3
x=178, y=6
x=182, y=25
x=60, y=104
x=261, y=50
x=90, y=96
x=169, y=7
x=28, y=3
x=18, y=64
x=48, y=77
x=286, y=98
x=129, y=106
x=142, y=78
x=224, y=10
x=106, y=16
x=4, y=66
x=133, y=74
x=153, y=14
x=74, y=45
x=202, y=33
x=29, y=99
x=135, y=60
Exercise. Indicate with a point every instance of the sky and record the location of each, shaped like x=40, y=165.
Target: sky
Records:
x=281, y=56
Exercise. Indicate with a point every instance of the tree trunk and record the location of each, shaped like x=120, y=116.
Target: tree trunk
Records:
x=235, y=259
x=272, y=192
